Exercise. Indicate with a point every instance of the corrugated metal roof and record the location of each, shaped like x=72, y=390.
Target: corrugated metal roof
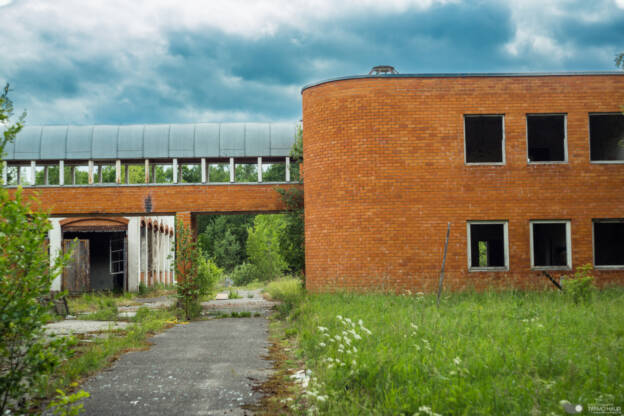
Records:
x=210, y=140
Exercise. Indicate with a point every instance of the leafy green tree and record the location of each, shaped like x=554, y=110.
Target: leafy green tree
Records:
x=227, y=251
x=27, y=357
x=619, y=60
x=292, y=235
x=224, y=250
x=263, y=246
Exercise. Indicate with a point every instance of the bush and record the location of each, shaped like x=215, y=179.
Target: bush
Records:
x=581, y=287
x=263, y=247
x=243, y=274
x=27, y=357
x=289, y=291
x=196, y=276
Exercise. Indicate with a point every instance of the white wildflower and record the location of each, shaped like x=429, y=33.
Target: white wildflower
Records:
x=322, y=344
x=337, y=337
x=361, y=322
x=322, y=328
x=457, y=360
x=353, y=362
x=414, y=326
x=339, y=317
x=330, y=365
x=355, y=349
x=348, y=320
x=366, y=330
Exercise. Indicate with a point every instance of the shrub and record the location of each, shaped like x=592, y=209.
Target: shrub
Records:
x=243, y=274
x=196, y=276
x=289, y=291
x=581, y=287
x=263, y=247
x=27, y=358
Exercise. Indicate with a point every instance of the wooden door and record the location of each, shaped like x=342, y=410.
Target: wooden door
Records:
x=76, y=273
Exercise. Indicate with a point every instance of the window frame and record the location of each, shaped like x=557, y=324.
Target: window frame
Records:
x=505, y=224
x=600, y=162
x=503, y=154
x=565, y=138
x=603, y=220
x=568, y=229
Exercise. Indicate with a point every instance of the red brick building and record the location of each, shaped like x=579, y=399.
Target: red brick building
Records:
x=527, y=168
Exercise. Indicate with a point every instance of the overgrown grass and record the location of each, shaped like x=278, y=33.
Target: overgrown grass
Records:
x=94, y=302
x=97, y=353
x=511, y=353
x=288, y=290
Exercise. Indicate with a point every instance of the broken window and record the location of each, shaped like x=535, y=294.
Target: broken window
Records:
x=487, y=248
x=162, y=173
x=609, y=243
x=219, y=172
x=550, y=242
x=606, y=137
x=190, y=173
x=546, y=138
x=273, y=172
x=246, y=172
x=484, y=136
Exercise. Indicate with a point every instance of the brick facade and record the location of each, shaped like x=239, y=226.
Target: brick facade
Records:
x=385, y=172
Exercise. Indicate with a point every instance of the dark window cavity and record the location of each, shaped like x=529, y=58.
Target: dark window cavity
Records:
x=609, y=243
x=487, y=245
x=550, y=244
x=484, y=139
x=606, y=137
x=546, y=138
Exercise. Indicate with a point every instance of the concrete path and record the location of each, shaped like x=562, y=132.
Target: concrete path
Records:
x=249, y=301
x=203, y=368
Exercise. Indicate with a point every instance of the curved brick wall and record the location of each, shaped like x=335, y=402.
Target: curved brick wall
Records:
x=385, y=172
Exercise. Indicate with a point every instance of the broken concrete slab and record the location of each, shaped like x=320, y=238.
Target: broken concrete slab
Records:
x=222, y=296
x=76, y=326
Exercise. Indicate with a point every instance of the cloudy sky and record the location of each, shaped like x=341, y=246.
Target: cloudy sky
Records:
x=157, y=61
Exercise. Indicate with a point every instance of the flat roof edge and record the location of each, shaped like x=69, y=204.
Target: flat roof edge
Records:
x=465, y=75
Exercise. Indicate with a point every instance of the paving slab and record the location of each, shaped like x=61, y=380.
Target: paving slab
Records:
x=202, y=368
x=77, y=326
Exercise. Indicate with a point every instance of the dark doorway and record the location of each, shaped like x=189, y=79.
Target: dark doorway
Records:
x=107, y=259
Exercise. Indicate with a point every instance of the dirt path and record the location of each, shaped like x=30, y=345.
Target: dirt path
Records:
x=203, y=368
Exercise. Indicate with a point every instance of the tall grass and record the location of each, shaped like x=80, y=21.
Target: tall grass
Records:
x=511, y=353
x=288, y=291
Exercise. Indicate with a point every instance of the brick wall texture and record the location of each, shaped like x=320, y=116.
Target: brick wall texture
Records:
x=385, y=172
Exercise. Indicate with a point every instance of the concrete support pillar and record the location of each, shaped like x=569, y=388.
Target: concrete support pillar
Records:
x=232, y=172
x=175, y=170
x=46, y=175
x=5, y=174
x=118, y=171
x=90, y=172
x=61, y=172
x=127, y=173
x=287, y=169
x=259, y=169
x=100, y=173
x=55, y=238
x=33, y=172
x=203, y=170
x=134, y=253
x=72, y=169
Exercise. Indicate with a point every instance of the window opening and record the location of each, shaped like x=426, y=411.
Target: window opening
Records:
x=488, y=245
x=606, y=137
x=609, y=243
x=484, y=139
x=546, y=138
x=549, y=244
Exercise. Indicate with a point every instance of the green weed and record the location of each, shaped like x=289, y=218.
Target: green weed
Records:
x=493, y=353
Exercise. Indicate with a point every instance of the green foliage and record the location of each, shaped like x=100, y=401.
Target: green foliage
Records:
x=263, y=249
x=196, y=275
x=233, y=294
x=243, y=274
x=291, y=236
x=68, y=405
x=619, y=60
x=223, y=238
x=581, y=287
x=289, y=291
x=496, y=353
x=26, y=356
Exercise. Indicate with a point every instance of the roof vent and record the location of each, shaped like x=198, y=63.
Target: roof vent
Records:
x=383, y=70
